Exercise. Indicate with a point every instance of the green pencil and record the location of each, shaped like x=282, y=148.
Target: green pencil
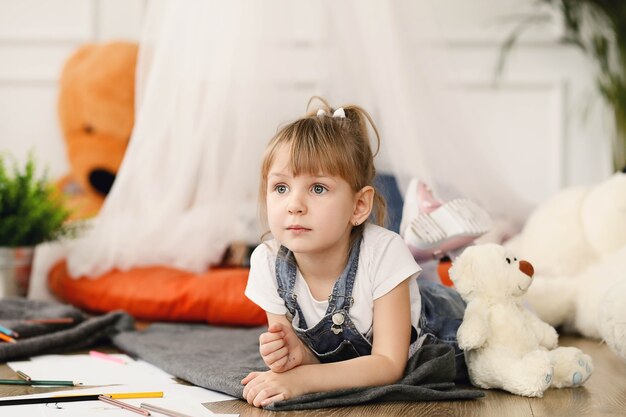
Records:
x=39, y=382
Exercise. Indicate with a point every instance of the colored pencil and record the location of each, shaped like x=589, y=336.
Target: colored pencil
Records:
x=46, y=400
x=59, y=320
x=162, y=410
x=127, y=395
x=122, y=395
x=23, y=376
x=109, y=400
x=81, y=397
x=7, y=338
x=8, y=332
x=39, y=382
x=106, y=357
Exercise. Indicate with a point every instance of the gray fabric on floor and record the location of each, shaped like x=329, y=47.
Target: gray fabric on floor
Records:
x=40, y=339
x=219, y=358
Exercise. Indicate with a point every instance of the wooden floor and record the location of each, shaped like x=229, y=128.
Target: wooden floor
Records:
x=604, y=394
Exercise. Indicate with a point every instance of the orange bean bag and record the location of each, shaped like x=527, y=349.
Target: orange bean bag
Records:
x=163, y=294
x=443, y=270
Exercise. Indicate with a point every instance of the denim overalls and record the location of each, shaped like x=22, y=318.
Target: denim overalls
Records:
x=336, y=338
x=441, y=315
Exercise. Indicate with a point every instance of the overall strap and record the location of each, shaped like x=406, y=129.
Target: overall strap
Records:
x=286, y=278
x=341, y=297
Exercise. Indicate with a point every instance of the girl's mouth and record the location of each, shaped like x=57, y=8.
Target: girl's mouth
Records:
x=298, y=229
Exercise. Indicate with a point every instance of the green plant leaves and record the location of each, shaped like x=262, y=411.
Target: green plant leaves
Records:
x=30, y=210
x=598, y=28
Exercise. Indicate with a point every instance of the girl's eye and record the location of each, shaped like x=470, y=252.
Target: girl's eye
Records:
x=508, y=260
x=319, y=189
x=281, y=188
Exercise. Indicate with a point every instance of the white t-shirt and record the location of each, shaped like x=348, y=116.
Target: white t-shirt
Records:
x=384, y=262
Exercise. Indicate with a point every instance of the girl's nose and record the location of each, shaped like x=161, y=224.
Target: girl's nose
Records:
x=296, y=205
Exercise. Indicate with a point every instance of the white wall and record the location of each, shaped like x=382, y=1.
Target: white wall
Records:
x=36, y=37
x=551, y=129
x=537, y=111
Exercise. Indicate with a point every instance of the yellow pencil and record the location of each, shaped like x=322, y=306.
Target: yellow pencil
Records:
x=155, y=394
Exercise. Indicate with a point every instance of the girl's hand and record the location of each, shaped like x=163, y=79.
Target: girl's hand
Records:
x=264, y=388
x=282, y=350
x=273, y=347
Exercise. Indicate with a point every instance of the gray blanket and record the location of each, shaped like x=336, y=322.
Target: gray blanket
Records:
x=40, y=339
x=219, y=358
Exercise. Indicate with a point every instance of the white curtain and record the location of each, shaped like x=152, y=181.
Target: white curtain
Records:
x=214, y=81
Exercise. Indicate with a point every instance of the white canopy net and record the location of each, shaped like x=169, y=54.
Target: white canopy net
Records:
x=214, y=81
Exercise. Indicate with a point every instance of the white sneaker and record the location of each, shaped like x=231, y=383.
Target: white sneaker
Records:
x=418, y=199
x=444, y=227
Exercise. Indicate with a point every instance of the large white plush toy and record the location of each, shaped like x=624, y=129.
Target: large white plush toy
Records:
x=577, y=243
x=505, y=345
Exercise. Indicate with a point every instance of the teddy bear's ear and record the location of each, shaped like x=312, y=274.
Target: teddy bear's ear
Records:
x=461, y=272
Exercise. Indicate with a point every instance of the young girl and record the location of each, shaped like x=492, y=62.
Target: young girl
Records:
x=341, y=296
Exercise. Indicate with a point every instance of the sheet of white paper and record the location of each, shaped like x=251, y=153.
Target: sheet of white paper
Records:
x=99, y=408
x=90, y=370
x=84, y=409
x=183, y=398
x=134, y=376
x=33, y=410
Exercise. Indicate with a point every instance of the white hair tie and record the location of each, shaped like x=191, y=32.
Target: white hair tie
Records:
x=340, y=113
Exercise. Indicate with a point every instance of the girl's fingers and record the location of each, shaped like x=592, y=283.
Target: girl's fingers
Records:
x=278, y=365
x=265, y=393
x=252, y=390
x=268, y=337
x=249, y=378
x=274, y=356
x=267, y=348
x=247, y=390
x=277, y=397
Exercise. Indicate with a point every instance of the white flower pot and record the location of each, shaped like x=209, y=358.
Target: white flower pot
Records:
x=15, y=268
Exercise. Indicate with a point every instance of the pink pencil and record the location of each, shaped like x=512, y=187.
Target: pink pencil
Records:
x=105, y=398
x=106, y=357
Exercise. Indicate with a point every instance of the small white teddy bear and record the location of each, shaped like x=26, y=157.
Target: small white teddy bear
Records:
x=505, y=345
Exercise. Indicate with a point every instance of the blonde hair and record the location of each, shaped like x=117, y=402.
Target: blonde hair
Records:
x=333, y=145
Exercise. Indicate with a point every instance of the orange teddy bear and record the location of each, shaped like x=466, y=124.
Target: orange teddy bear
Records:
x=96, y=110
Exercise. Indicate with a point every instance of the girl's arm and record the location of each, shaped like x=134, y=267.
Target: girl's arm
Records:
x=392, y=330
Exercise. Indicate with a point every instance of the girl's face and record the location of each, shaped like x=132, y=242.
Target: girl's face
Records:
x=309, y=214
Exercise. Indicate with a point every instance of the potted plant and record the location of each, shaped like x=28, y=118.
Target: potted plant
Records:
x=598, y=28
x=31, y=212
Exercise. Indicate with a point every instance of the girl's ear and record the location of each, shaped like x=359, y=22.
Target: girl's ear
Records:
x=363, y=205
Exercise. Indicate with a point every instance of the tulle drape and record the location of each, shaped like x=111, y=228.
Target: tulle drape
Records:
x=211, y=92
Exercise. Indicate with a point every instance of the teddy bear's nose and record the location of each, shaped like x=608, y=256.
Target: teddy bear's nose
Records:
x=102, y=180
x=526, y=268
